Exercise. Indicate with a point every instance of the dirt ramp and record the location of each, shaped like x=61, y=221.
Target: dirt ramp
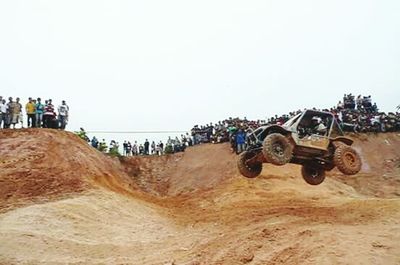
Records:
x=202, y=167
x=205, y=166
x=40, y=164
x=199, y=168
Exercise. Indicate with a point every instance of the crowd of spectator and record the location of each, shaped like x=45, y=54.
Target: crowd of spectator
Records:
x=172, y=145
x=354, y=114
x=357, y=115
x=360, y=115
x=38, y=114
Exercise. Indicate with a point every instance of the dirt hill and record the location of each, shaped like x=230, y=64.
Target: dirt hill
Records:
x=42, y=165
x=206, y=166
x=61, y=201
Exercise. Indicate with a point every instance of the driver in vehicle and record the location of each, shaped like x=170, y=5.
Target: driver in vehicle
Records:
x=318, y=127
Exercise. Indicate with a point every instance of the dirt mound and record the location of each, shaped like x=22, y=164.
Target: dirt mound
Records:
x=204, y=167
x=90, y=211
x=44, y=164
x=198, y=168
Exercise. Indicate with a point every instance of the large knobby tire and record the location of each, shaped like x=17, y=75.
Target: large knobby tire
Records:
x=313, y=175
x=277, y=149
x=347, y=160
x=248, y=170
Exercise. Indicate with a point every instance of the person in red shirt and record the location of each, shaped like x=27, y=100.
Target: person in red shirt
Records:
x=48, y=115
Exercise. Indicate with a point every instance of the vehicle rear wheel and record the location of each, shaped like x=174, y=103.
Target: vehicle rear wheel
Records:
x=249, y=170
x=347, y=160
x=277, y=149
x=313, y=175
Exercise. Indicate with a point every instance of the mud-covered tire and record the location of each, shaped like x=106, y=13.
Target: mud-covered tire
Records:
x=249, y=171
x=347, y=160
x=277, y=149
x=313, y=175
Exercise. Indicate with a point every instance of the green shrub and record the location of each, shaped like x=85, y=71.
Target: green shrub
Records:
x=114, y=152
x=102, y=147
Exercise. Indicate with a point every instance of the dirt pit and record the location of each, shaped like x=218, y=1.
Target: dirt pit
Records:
x=63, y=202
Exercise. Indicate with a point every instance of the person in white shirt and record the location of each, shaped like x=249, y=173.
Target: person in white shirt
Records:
x=3, y=113
x=63, y=111
x=340, y=105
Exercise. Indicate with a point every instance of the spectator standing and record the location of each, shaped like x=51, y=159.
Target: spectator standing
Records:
x=48, y=115
x=3, y=113
x=146, y=147
x=141, y=149
x=94, y=142
x=340, y=105
x=153, y=148
x=39, y=113
x=367, y=103
x=161, y=147
x=125, y=148
x=135, y=150
x=359, y=102
x=15, y=111
x=189, y=139
x=129, y=149
x=10, y=107
x=30, y=109
x=240, y=141
x=375, y=108
x=232, y=138
x=63, y=111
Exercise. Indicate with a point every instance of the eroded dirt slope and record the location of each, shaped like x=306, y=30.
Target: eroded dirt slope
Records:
x=39, y=165
x=205, y=166
x=191, y=208
x=198, y=168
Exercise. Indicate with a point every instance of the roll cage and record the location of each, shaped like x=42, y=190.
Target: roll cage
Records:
x=300, y=129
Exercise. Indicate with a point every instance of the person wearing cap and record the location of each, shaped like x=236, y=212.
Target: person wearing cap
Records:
x=30, y=109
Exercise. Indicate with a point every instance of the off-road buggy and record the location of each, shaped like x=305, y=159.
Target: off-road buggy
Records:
x=312, y=139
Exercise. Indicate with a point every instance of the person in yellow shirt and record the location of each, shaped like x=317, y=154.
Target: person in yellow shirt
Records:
x=30, y=108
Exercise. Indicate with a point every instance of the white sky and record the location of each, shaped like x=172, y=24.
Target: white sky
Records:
x=167, y=65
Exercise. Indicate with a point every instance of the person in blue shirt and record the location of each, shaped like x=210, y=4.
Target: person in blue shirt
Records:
x=240, y=141
x=39, y=113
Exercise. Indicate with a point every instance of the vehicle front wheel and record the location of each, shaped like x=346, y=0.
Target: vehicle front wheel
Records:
x=277, y=149
x=249, y=170
x=313, y=175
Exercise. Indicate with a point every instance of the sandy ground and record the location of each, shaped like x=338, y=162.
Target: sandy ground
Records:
x=191, y=208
